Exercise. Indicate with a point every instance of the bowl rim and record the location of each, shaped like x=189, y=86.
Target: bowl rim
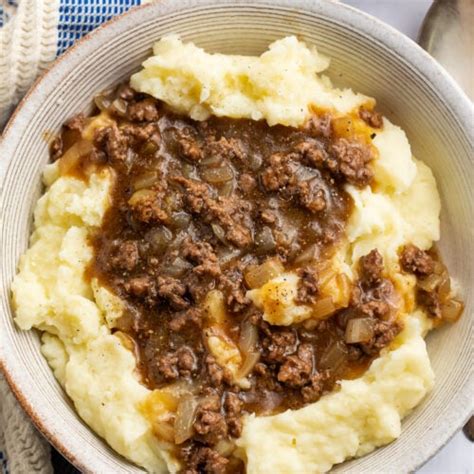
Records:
x=350, y=16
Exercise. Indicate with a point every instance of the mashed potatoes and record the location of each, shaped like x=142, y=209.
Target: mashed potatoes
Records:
x=279, y=86
x=52, y=292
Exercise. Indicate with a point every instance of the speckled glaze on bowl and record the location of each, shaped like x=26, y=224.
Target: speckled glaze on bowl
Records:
x=411, y=89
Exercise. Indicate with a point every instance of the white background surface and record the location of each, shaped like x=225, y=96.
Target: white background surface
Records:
x=407, y=15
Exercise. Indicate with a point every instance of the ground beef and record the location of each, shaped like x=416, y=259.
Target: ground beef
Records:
x=167, y=366
x=202, y=255
x=76, y=123
x=217, y=374
x=141, y=286
x=371, y=117
x=56, y=148
x=372, y=293
x=319, y=126
x=278, y=344
x=233, y=408
x=312, y=153
x=140, y=134
x=187, y=362
x=350, y=160
x=143, y=111
x=247, y=183
x=197, y=194
x=189, y=146
x=189, y=318
x=203, y=460
x=417, y=261
x=430, y=301
x=313, y=391
x=125, y=256
x=371, y=267
x=311, y=195
x=147, y=207
x=373, y=300
x=180, y=363
x=230, y=148
x=278, y=173
x=232, y=284
x=111, y=140
x=210, y=423
x=297, y=369
x=231, y=214
x=384, y=333
x=307, y=286
x=173, y=291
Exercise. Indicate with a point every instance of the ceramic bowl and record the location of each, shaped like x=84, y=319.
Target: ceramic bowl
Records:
x=411, y=89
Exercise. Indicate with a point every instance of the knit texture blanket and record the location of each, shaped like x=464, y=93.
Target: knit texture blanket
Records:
x=34, y=32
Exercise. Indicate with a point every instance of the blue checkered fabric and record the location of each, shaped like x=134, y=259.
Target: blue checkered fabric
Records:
x=78, y=17
x=6, y=9
x=3, y=464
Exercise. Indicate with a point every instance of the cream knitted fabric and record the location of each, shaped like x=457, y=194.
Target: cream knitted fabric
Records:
x=26, y=451
x=28, y=44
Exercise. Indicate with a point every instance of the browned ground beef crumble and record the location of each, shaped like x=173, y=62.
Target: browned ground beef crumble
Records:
x=196, y=204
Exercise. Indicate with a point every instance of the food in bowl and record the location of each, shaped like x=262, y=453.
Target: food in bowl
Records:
x=233, y=265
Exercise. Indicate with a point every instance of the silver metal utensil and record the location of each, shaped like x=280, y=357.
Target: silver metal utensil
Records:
x=447, y=33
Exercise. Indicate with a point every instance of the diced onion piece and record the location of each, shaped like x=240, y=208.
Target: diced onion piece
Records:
x=359, y=330
x=249, y=363
x=177, y=267
x=255, y=161
x=119, y=106
x=187, y=170
x=215, y=307
x=444, y=289
x=127, y=341
x=210, y=161
x=144, y=180
x=227, y=188
x=149, y=148
x=323, y=308
x=265, y=241
x=180, y=220
x=163, y=430
x=73, y=155
x=225, y=447
x=219, y=232
x=343, y=283
x=439, y=268
x=159, y=239
x=217, y=175
x=257, y=276
x=185, y=414
x=102, y=102
x=228, y=254
x=430, y=282
x=141, y=195
x=310, y=254
x=334, y=356
x=248, y=337
x=451, y=310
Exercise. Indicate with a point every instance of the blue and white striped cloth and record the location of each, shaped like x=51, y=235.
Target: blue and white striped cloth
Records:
x=78, y=17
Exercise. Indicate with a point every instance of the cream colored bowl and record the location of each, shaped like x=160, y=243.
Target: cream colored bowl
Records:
x=366, y=55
